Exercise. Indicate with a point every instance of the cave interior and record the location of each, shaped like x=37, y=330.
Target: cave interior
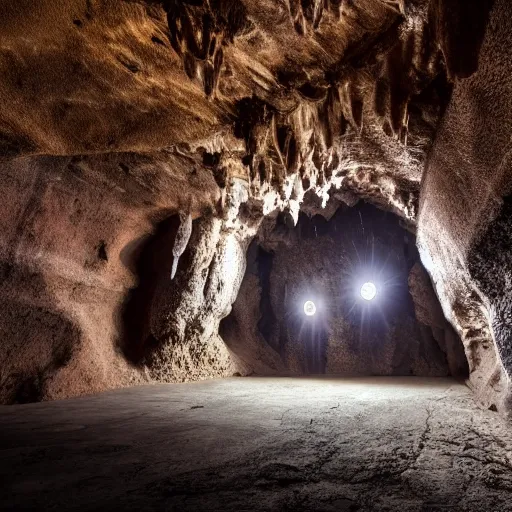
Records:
x=256, y=255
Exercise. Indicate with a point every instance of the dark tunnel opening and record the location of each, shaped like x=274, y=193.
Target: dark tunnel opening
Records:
x=268, y=318
x=401, y=331
x=151, y=261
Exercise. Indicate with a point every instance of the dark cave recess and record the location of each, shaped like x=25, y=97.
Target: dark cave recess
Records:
x=327, y=261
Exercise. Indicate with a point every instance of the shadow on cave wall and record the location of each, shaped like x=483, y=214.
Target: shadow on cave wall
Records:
x=327, y=261
x=490, y=264
x=459, y=26
x=150, y=259
x=43, y=337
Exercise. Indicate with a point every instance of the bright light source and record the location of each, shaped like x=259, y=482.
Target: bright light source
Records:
x=368, y=291
x=309, y=308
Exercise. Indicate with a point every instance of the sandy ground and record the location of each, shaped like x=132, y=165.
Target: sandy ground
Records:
x=326, y=444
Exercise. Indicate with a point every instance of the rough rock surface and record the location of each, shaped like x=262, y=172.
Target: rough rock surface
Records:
x=433, y=323
x=117, y=118
x=382, y=444
x=68, y=263
x=464, y=221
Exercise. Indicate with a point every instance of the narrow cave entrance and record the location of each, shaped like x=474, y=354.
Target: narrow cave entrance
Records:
x=151, y=259
x=327, y=261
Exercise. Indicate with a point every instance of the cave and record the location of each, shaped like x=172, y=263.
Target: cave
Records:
x=256, y=255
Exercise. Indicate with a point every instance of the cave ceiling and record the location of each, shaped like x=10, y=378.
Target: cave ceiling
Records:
x=322, y=93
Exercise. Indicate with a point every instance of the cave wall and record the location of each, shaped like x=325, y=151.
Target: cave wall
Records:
x=72, y=231
x=401, y=332
x=464, y=221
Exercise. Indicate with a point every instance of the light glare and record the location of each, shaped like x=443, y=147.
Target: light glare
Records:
x=368, y=291
x=309, y=308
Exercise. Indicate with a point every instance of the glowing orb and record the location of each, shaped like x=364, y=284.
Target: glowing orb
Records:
x=368, y=291
x=309, y=308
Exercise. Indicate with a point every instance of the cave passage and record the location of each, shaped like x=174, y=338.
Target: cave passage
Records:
x=327, y=261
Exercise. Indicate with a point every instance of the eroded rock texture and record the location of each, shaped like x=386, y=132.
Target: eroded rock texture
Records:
x=464, y=226
x=145, y=140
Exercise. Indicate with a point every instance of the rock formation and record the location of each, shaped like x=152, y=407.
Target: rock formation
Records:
x=140, y=132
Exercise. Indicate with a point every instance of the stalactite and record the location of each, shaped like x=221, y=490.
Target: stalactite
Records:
x=181, y=240
x=197, y=30
x=213, y=45
x=317, y=157
x=381, y=97
x=356, y=107
x=398, y=64
x=292, y=153
x=297, y=190
x=399, y=100
x=343, y=124
x=332, y=113
x=357, y=113
x=274, y=146
x=300, y=24
x=328, y=170
x=175, y=38
x=311, y=12
x=318, y=12
x=217, y=66
x=189, y=64
x=209, y=78
x=206, y=37
x=189, y=32
x=262, y=172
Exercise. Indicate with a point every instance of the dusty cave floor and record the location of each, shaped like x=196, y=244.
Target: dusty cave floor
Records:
x=405, y=444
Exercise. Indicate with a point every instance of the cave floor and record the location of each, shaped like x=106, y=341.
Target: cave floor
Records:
x=327, y=444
